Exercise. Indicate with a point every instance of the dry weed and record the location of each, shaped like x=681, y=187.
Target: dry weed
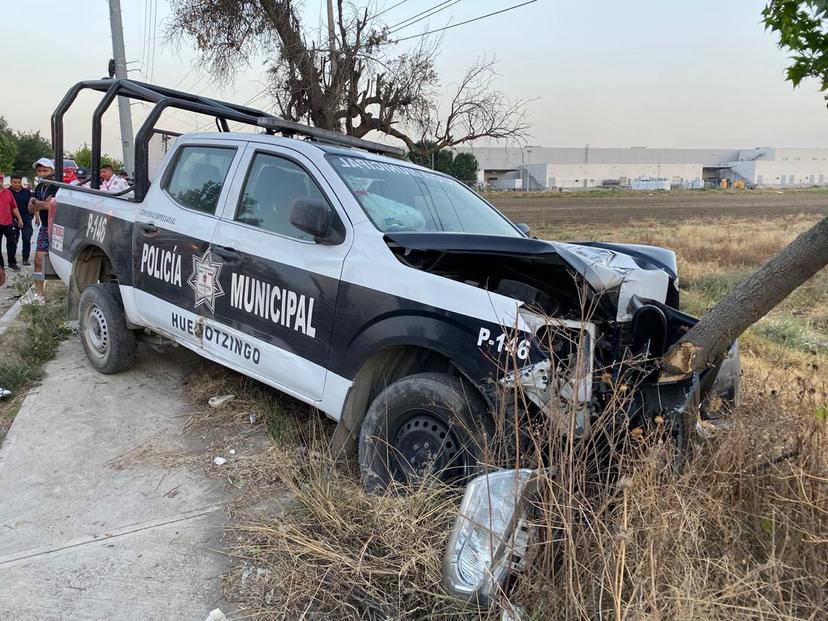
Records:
x=740, y=534
x=340, y=553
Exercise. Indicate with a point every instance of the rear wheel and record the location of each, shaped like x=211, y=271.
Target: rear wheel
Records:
x=108, y=343
x=429, y=424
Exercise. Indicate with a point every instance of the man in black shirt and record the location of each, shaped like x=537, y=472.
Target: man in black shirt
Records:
x=39, y=207
x=21, y=197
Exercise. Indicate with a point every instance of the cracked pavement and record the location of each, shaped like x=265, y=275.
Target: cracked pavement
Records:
x=106, y=511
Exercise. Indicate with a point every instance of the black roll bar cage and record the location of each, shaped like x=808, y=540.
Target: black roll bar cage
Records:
x=162, y=98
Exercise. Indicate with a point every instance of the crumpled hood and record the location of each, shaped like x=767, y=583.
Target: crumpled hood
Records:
x=636, y=272
x=632, y=269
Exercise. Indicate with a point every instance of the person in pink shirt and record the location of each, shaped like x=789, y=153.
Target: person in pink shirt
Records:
x=9, y=216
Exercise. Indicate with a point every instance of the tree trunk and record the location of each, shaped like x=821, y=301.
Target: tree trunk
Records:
x=709, y=339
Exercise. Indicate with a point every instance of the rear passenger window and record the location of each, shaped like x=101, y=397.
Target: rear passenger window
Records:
x=273, y=184
x=198, y=176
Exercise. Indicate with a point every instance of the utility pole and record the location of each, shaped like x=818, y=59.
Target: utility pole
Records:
x=331, y=39
x=124, y=112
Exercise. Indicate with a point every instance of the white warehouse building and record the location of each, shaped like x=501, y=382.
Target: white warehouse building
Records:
x=550, y=168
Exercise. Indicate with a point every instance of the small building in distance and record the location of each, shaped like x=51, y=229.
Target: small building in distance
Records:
x=534, y=168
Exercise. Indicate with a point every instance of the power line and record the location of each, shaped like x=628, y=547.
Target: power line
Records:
x=439, y=4
x=255, y=97
x=452, y=3
x=468, y=21
x=390, y=8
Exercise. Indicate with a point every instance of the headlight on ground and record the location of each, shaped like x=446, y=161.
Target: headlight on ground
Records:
x=489, y=536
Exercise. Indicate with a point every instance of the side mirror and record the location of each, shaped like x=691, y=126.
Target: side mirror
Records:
x=522, y=227
x=315, y=217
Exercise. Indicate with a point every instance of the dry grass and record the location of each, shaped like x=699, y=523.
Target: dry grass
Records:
x=27, y=344
x=742, y=533
x=338, y=552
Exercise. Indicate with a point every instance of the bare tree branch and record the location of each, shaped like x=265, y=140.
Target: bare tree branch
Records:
x=358, y=87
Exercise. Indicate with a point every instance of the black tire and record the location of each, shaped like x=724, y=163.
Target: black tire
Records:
x=110, y=346
x=425, y=424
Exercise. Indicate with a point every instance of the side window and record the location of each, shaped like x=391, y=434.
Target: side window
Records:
x=198, y=176
x=273, y=183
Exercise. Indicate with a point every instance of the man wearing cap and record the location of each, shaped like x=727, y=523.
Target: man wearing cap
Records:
x=9, y=216
x=39, y=206
x=21, y=197
x=81, y=178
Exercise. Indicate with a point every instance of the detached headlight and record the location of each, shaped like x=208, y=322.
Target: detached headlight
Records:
x=489, y=536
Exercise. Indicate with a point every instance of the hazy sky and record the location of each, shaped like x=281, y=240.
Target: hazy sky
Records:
x=683, y=73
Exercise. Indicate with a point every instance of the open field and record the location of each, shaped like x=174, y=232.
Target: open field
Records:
x=627, y=207
x=716, y=254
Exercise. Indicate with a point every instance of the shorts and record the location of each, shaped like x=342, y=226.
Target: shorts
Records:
x=43, y=239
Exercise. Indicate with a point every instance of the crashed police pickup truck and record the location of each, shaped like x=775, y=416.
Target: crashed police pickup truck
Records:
x=391, y=297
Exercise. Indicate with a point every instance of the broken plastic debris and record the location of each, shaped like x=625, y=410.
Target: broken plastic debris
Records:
x=232, y=451
x=252, y=418
x=5, y=393
x=219, y=461
x=218, y=401
x=216, y=615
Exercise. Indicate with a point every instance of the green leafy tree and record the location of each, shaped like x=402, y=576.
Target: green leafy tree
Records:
x=802, y=26
x=428, y=154
x=421, y=154
x=464, y=167
x=83, y=158
x=31, y=146
x=8, y=146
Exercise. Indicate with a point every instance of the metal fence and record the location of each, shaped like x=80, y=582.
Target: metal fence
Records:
x=159, y=144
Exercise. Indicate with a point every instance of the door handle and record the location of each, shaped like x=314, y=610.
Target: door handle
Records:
x=149, y=229
x=228, y=254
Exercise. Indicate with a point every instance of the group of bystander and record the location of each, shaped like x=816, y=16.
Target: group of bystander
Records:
x=23, y=209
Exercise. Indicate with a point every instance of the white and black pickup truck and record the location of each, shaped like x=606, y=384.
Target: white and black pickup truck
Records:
x=392, y=298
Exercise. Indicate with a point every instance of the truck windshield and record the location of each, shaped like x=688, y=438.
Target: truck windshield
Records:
x=402, y=198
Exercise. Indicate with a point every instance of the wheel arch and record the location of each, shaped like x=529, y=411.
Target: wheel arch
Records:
x=385, y=365
x=90, y=265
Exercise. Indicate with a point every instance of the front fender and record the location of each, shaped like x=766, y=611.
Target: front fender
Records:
x=455, y=337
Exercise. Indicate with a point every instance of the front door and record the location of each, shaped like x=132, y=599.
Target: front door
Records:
x=175, y=285
x=276, y=314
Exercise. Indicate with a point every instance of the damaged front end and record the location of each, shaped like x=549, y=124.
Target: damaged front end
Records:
x=599, y=316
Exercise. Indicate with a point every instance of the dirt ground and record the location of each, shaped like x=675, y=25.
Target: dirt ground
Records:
x=573, y=208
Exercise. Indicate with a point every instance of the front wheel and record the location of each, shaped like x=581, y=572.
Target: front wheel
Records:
x=429, y=424
x=108, y=343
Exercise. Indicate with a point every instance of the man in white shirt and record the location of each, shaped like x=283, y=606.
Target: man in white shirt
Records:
x=110, y=182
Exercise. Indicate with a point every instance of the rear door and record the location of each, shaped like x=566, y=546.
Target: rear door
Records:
x=175, y=280
x=276, y=315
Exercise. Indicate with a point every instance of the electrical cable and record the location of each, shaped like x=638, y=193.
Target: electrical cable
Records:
x=398, y=24
x=468, y=21
x=394, y=6
x=451, y=4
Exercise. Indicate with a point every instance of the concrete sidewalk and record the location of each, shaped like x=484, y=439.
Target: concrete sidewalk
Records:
x=105, y=512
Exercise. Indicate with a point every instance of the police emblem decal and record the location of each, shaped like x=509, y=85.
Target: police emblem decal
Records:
x=205, y=281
